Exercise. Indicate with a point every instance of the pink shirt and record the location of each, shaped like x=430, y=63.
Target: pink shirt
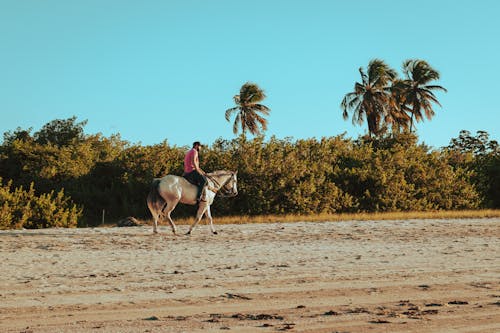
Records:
x=189, y=160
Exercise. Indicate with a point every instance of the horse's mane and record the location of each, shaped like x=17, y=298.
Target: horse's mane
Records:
x=219, y=173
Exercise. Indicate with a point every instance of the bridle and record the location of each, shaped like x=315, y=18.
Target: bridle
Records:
x=221, y=186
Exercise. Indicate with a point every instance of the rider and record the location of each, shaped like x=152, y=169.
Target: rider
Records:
x=192, y=170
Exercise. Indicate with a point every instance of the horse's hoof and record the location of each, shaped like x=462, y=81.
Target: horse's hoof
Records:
x=215, y=233
x=188, y=233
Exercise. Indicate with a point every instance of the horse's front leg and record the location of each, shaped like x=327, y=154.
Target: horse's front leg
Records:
x=209, y=215
x=199, y=214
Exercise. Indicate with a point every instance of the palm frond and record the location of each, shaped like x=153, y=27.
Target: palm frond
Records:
x=237, y=122
x=236, y=99
x=364, y=77
x=349, y=101
x=358, y=116
x=431, y=87
x=430, y=97
x=261, y=108
x=262, y=121
x=230, y=111
x=354, y=102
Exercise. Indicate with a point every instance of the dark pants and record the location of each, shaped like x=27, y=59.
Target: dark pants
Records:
x=196, y=178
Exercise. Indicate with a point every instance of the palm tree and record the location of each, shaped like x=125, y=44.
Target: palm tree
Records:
x=250, y=113
x=370, y=98
x=418, y=93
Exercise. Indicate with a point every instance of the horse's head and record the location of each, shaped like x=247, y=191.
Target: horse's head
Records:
x=230, y=188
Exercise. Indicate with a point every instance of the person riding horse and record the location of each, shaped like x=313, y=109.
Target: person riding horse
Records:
x=192, y=171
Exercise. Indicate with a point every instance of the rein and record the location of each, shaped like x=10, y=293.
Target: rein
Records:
x=219, y=185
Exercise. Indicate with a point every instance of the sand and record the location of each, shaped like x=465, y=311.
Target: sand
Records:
x=375, y=276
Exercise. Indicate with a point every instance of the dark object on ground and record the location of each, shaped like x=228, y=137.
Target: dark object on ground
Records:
x=128, y=222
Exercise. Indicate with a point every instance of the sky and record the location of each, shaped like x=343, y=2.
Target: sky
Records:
x=167, y=70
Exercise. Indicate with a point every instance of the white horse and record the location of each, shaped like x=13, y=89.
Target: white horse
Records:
x=168, y=191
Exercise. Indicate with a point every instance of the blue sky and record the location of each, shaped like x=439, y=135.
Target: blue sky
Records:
x=167, y=70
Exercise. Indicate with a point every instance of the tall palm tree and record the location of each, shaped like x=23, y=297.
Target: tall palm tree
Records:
x=249, y=113
x=419, y=93
x=370, y=97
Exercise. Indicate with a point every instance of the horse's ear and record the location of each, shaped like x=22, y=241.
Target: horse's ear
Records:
x=236, y=173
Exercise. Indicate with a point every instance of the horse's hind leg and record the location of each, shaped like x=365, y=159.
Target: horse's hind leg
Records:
x=155, y=212
x=155, y=223
x=172, y=224
x=168, y=209
x=157, y=215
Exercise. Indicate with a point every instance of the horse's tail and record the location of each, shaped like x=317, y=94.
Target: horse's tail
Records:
x=154, y=199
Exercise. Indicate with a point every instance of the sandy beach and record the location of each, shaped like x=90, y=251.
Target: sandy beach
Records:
x=375, y=276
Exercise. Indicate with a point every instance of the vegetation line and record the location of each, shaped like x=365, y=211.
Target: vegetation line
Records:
x=434, y=215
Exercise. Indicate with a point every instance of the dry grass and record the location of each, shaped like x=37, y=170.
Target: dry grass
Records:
x=459, y=214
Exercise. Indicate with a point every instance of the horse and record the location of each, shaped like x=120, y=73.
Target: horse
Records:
x=168, y=191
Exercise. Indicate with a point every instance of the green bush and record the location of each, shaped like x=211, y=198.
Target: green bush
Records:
x=479, y=158
x=340, y=175
x=275, y=176
x=23, y=209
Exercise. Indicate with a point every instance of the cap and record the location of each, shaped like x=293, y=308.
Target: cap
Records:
x=197, y=143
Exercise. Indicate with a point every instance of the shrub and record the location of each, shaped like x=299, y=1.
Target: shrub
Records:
x=275, y=176
x=23, y=209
